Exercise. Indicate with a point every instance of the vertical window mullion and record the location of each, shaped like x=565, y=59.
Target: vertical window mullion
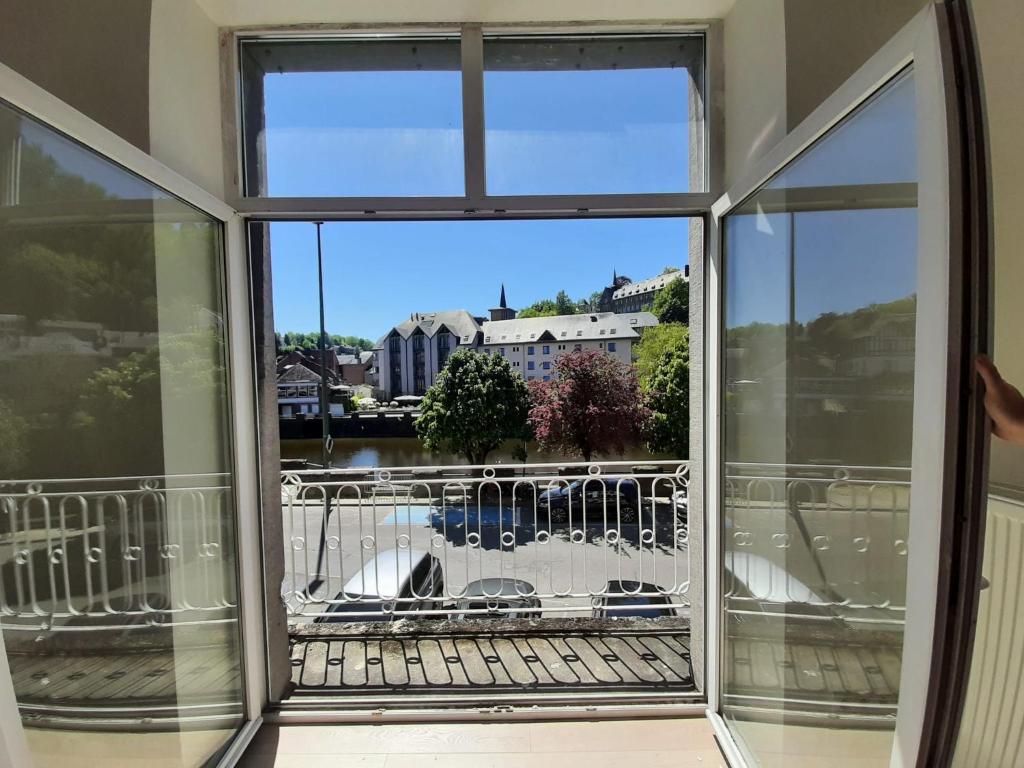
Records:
x=472, y=52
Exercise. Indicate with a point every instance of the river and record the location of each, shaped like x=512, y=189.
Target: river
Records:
x=409, y=452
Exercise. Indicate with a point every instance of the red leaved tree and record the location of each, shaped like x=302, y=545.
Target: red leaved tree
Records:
x=592, y=405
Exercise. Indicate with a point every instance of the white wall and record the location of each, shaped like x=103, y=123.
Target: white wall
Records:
x=754, y=43
x=184, y=93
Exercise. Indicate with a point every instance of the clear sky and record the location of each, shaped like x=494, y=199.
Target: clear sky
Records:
x=400, y=133
x=376, y=272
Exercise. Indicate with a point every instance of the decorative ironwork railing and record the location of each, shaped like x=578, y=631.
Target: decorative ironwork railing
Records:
x=817, y=542
x=553, y=540
x=116, y=553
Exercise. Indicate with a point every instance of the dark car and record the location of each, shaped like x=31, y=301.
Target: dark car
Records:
x=501, y=598
x=633, y=599
x=395, y=580
x=599, y=499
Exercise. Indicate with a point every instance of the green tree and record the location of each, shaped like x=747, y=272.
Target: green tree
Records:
x=476, y=404
x=655, y=343
x=663, y=364
x=668, y=397
x=13, y=435
x=672, y=304
x=542, y=308
x=565, y=305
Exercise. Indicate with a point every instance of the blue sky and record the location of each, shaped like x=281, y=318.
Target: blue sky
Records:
x=400, y=133
x=376, y=273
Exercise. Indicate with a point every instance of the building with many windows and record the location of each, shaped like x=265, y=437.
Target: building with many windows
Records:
x=411, y=354
x=639, y=296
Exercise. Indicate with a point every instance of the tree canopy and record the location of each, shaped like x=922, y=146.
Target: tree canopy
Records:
x=672, y=303
x=289, y=341
x=476, y=404
x=592, y=405
x=666, y=387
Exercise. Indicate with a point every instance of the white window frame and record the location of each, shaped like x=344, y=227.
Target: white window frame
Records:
x=34, y=101
x=919, y=44
x=476, y=203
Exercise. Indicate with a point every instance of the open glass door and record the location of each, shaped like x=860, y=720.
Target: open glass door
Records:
x=834, y=284
x=127, y=514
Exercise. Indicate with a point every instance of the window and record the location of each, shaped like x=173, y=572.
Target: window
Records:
x=546, y=350
x=529, y=350
x=515, y=349
x=443, y=349
x=546, y=365
x=356, y=118
x=501, y=351
x=530, y=365
x=592, y=114
x=578, y=347
x=611, y=346
x=383, y=117
x=547, y=378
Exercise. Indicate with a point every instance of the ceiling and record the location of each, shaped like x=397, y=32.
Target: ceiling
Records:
x=242, y=13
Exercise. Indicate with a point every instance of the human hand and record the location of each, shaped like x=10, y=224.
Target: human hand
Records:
x=1003, y=402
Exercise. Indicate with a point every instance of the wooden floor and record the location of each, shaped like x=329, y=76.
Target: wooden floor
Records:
x=652, y=743
x=486, y=662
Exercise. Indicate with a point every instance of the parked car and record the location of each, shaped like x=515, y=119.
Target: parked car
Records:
x=501, y=598
x=619, y=498
x=616, y=605
x=384, y=581
x=758, y=589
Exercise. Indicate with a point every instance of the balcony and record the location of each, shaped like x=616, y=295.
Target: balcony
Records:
x=458, y=582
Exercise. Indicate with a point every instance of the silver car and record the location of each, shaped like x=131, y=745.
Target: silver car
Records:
x=395, y=580
x=501, y=598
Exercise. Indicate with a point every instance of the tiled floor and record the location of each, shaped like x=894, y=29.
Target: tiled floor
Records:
x=652, y=743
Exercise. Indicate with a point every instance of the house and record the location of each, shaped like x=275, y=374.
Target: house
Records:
x=531, y=345
x=411, y=354
x=639, y=296
x=298, y=392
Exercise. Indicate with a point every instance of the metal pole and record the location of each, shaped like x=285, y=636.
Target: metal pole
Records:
x=325, y=415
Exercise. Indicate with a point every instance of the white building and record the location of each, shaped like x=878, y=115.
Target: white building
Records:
x=532, y=344
x=639, y=297
x=410, y=356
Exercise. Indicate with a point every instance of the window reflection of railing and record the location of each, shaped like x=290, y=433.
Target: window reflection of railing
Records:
x=501, y=541
x=817, y=542
x=116, y=553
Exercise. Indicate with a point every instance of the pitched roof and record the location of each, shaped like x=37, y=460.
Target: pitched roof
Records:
x=457, y=321
x=650, y=284
x=598, y=325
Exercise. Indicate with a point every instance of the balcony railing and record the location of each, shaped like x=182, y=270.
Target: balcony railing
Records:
x=550, y=540
x=97, y=554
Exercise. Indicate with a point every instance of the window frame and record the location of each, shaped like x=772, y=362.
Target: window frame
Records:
x=707, y=171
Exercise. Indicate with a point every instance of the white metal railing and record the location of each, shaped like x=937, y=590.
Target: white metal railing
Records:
x=823, y=542
x=93, y=554
x=563, y=539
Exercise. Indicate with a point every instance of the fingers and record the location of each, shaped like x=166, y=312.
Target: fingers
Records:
x=988, y=372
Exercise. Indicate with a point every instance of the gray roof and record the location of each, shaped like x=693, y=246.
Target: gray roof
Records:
x=651, y=284
x=457, y=321
x=597, y=325
x=297, y=372
x=361, y=359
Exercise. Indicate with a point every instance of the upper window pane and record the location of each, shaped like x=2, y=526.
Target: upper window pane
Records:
x=352, y=118
x=594, y=115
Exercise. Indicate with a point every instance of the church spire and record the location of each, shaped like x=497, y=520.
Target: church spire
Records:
x=615, y=276
x=502, y=303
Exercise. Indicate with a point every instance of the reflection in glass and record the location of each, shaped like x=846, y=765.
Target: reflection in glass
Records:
x=591, y=115
x=820, y=316
x=118, y=596
x=353, y=118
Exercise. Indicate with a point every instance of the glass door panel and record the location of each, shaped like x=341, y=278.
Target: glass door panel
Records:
x=820, y=287
x=118, y=590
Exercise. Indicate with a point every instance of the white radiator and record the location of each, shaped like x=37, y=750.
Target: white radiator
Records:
x=992, y=729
